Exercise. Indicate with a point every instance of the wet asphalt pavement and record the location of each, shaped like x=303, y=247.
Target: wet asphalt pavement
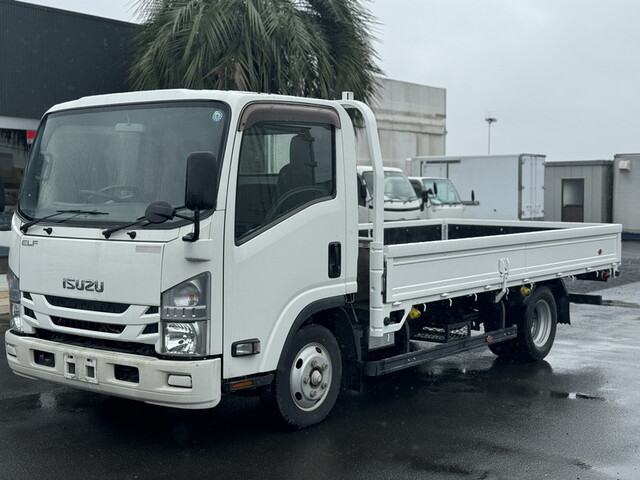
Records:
x=575, y=415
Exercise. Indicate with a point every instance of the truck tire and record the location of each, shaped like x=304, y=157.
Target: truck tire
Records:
x=536, y=329
x=308, y=378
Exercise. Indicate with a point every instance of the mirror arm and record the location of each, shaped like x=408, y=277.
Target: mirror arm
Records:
x=195, y=235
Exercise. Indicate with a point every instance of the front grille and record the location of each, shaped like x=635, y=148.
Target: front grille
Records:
x=151, y=328
x=87, y=305
x=97, y=343
x=84, y=325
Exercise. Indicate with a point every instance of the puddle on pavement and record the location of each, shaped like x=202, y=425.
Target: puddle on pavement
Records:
x=507, y=378
x=575, y=396
x=47, y=401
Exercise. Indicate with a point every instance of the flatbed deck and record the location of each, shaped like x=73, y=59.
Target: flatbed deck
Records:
x=431, y=260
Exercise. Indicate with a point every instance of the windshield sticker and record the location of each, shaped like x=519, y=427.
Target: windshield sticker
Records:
x=217, y=116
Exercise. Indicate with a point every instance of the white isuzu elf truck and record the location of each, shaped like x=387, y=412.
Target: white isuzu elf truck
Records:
x=175, y=246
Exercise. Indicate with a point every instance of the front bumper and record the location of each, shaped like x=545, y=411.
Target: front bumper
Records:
x=182, y=384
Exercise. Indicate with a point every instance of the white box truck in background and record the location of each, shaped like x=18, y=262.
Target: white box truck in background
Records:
x=507, y=187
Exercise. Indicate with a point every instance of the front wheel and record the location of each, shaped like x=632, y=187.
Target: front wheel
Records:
x=308, y=378
x=536, y=328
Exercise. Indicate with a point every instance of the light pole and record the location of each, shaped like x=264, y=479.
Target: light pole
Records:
x=489, y=119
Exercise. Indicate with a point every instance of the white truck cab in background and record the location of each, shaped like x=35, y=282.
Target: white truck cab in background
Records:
x=400, y=200
x=174, y=246
x=442, y=199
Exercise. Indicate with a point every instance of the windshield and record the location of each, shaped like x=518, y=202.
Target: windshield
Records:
x=447, y=193
x=396, y=186
x=118, y=159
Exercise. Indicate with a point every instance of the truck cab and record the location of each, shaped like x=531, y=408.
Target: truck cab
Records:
x=160, y=246
x=442, y=200
x=400, y=200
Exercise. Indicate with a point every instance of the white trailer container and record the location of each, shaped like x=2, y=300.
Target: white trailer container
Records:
x=507, y=187
x=254, y=274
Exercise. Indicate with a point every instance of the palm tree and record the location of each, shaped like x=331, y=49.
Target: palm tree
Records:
x=315, y=48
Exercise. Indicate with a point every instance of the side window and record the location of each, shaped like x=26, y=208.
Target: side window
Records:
x=284, y=167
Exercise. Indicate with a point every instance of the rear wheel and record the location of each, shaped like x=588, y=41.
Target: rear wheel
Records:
x=536, y=328
x=308, y=378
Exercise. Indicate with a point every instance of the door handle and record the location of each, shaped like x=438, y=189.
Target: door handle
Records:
x=335, y=259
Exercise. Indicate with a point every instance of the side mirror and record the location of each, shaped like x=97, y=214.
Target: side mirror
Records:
x=202, y=179
x=201, y=189
x=159, y=212
x=473, y=196
x=435, y=189
x=362, y=192
x=425, y=198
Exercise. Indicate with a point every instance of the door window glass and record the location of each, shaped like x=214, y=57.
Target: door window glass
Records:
x=283, y=168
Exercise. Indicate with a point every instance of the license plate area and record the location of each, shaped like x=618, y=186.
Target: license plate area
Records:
x=83, y=369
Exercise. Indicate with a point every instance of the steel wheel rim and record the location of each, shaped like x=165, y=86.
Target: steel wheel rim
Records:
x=541, y=323
x=310, y=377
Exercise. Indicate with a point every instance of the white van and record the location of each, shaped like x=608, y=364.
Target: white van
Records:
x=400, y=200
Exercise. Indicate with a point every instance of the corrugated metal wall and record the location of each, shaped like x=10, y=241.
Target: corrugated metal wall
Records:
x=598, y=189
x=49, y=56
x=626, y=192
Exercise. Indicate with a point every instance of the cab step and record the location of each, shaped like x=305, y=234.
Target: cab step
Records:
x=424, y=352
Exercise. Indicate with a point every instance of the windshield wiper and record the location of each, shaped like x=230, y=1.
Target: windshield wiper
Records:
x=35, y=221
x=398, y=198
x=156, y=212
x=107, y=233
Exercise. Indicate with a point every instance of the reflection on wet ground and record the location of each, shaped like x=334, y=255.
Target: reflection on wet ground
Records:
x=472, y=416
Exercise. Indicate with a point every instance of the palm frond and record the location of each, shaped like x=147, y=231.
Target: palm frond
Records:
x=301, y=47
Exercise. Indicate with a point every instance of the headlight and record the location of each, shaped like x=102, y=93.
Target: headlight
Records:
x=185, y=338
x=186, y=295
x=185, y=317
x=15, y=319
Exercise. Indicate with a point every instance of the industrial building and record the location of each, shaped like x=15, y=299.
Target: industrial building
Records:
x=626, y=193
x=50, y=56
x=595, y=191
x=411, y=122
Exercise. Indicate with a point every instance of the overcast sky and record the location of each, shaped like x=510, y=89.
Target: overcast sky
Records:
x=560, y=76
